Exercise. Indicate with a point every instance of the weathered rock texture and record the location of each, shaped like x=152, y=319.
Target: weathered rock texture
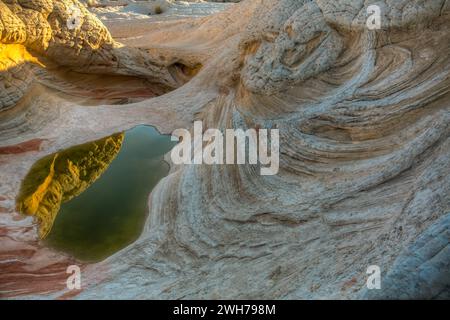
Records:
x=43, y=28
x=364, y=165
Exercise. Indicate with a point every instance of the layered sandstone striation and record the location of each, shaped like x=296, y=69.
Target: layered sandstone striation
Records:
x=44, y=28
x=364, y=162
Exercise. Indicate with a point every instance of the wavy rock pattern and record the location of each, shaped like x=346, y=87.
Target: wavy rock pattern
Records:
x=42, y=27
x=363, y=118
x=364, y=164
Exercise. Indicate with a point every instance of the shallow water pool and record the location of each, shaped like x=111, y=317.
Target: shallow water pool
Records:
x=107, y=214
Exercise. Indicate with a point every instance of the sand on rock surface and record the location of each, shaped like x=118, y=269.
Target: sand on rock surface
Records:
x=364, y=120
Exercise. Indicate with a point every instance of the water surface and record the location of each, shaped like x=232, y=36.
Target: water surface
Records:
x=111, y=212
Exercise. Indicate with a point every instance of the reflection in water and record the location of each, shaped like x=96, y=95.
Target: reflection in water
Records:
x=111, y=211
x=61, y=176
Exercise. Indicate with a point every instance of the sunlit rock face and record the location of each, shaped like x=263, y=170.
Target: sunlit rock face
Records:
x=364, y=161
x=15, y=74
x=66, y=33
x=62, y=176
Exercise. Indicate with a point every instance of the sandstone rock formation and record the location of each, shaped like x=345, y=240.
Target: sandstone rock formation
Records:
x=364, y=161
x=44, y=28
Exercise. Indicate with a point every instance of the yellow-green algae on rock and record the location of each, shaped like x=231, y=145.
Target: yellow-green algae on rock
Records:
x=59, y=177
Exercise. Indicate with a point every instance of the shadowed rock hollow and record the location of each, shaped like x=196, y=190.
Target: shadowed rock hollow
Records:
x=364, y=147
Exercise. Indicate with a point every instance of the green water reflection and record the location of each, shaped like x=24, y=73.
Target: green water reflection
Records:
x=110, y=213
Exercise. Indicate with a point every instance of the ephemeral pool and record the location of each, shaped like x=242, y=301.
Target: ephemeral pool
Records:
x=91, y=200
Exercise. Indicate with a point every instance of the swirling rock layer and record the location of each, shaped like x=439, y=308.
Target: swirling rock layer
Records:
x=43, y=27
x=364, y=154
